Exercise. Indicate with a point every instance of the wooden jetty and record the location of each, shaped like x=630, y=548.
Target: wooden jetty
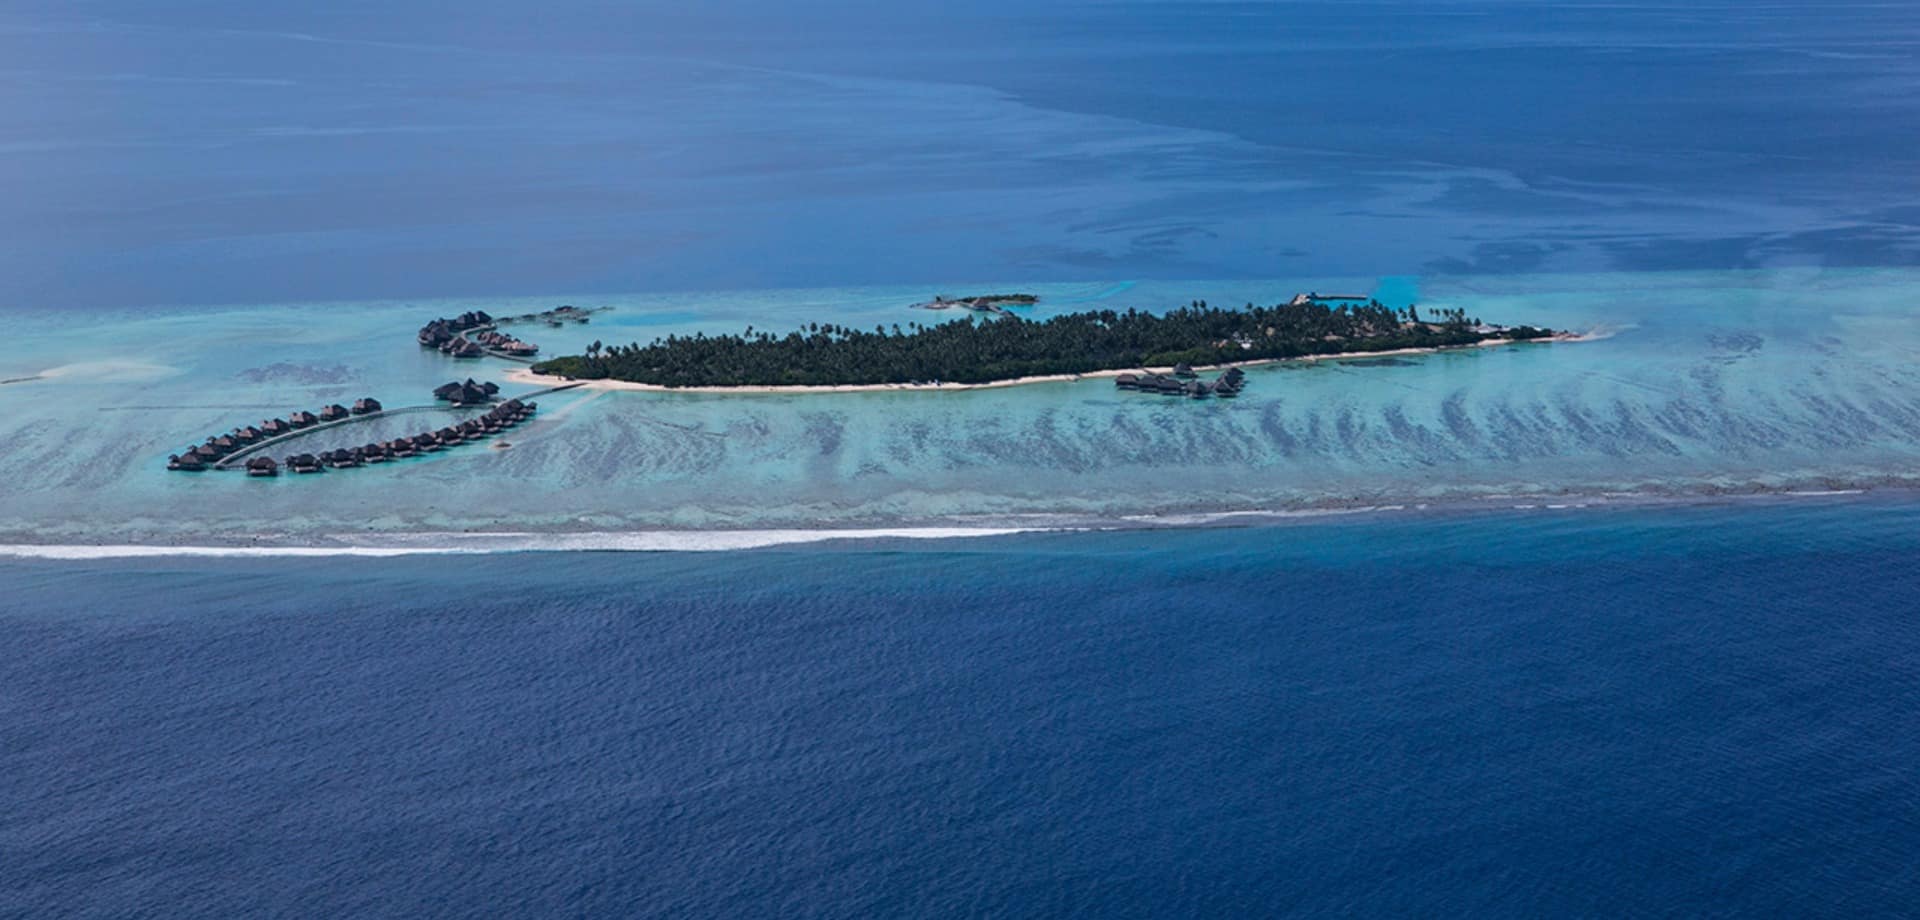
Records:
x=233, y=460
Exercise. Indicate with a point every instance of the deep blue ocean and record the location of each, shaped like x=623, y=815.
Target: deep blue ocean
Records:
x=1696, y=709
x=1656, y=712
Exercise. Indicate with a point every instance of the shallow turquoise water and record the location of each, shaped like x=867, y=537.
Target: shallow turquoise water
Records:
x=1697, y=384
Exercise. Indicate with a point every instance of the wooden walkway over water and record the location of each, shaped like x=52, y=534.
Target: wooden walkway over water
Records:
x=229, y=461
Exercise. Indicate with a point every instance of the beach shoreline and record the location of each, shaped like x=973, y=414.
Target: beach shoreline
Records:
x=526, y=375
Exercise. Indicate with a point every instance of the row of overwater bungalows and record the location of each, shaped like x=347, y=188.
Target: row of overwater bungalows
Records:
x=496, y=420
x=1184, y=382
x=219, y=447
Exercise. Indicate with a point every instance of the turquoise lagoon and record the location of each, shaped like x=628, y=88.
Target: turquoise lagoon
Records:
x=1694, y=385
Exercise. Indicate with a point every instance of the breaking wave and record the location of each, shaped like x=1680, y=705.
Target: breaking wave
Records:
x=463, y=543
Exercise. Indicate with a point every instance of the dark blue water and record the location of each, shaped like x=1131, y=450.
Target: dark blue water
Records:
x=1677, y=712
x=226, y=151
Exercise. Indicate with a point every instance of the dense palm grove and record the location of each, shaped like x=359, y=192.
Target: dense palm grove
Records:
x=982, y=350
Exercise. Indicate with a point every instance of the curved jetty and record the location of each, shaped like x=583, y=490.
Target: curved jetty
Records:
x=227, y=452
x=221, y=450
x=496, y=420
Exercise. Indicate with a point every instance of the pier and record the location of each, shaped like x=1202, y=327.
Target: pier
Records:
x=234, y=457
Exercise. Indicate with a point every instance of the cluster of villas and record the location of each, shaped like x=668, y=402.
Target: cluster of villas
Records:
x=470, y=335
x=466, y=393
x=497, y=343
x=219, y=447
x=496, y=420
x=1184, y=382
x=443, y=330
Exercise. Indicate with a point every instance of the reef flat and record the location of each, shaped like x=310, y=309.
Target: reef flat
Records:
x=1696, y=385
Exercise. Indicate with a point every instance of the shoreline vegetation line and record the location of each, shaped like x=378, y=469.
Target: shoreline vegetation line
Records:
x=1001, y=350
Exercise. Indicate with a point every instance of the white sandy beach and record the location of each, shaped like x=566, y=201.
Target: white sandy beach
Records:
x=526, y=375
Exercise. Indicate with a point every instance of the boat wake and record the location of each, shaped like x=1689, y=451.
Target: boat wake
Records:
x=111, y=371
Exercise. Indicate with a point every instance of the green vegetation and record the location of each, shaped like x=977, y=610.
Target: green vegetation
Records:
x=983, y=350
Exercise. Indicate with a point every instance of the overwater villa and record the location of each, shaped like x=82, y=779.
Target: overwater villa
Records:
x=303, y=419
x=262, y=466
x=468, y=393
x=462, y=347
x=303, y=463
x=366, y=405
x=186, y=463
x=333, y=413
x=341, y=458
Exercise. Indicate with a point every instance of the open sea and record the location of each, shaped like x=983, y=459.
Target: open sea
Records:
x=1683, y=712
x=1622, y=627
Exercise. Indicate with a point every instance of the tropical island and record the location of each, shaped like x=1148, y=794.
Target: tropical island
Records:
x=984, y=351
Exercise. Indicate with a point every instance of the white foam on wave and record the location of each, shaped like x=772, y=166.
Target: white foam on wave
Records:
x=467, y=543
x=1203, y=519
